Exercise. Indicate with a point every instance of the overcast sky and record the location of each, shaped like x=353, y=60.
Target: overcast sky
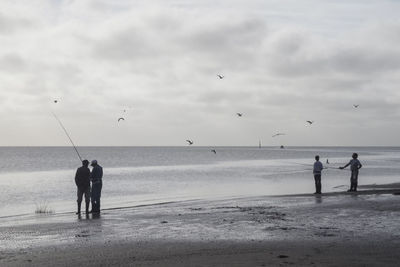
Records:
x=284, y=62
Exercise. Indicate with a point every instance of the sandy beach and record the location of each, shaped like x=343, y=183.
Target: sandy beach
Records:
x=335, y=229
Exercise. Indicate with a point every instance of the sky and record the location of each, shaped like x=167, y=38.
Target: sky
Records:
x=284, y=62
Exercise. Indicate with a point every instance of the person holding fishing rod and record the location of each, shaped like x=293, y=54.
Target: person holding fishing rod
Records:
x=82, y=176
x=355, y=165
x=82, y=181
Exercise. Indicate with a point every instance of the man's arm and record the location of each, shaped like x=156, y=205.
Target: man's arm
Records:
x=76, y=178
x=359, y=166
x=344, y=166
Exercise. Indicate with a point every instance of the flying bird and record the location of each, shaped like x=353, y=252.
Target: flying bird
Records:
x=121, y=119
x=190, y=142
x=356, y=106
x=310, y=122
x=214, y=151
x=277, y=134
x=239, y=114
x=220, y=76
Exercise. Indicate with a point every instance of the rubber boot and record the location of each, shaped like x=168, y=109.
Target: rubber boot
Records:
x=95, y=208
x=79, y=209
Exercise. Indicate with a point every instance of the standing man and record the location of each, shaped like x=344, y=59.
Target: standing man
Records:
x=317, y=174
x=355, y=165
x=82, y=181
x=97, y=183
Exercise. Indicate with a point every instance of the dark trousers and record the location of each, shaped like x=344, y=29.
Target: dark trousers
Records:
x=96, y=195
x=80, y=192
x=354, y=180
x=317, y=178
x=83, y=191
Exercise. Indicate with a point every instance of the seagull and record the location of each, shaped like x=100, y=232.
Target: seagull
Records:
x=239, y=114
x=278, y=134
x=121, y=119
x=310, y=122
x=220, y=76
x=356, y=106
x=213, y=150
x=190, y=142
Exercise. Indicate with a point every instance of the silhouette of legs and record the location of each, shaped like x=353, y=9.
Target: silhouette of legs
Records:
x=79, y=208
x=96, y=194
x=80, y=193
x=317, y=178
x=353, y=181
x=87, y=207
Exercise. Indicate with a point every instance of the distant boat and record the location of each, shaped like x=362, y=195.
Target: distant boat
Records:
x=282, y=147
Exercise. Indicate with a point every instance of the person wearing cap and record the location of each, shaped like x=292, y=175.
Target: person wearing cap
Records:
x=96, y=177
x=82, y=181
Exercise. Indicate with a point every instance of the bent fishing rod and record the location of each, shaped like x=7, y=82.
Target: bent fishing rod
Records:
x=69, y=137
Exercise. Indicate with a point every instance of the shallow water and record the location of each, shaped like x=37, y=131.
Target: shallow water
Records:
x=30, y=176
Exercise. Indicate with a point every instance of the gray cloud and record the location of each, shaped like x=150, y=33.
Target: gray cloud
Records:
x=283, y=63
x=10, y=25
x=12, y=63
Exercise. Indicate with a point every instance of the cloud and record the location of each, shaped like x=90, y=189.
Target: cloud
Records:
x=283, y=63
x=10, y=25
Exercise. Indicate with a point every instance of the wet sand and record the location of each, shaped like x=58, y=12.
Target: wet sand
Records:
x=335, y=229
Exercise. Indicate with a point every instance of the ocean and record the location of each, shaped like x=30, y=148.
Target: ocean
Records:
x=32, y=176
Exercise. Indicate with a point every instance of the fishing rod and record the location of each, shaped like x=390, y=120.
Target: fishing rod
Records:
x=311, y=165
x=65, y=131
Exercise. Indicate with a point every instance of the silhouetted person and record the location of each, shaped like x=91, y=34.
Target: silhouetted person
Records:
x=355, y=165
x=317, y=170
x=82, y=181
x=97, y=183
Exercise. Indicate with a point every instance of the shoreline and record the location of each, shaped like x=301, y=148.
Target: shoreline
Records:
x=336, y=229
x=369, y=189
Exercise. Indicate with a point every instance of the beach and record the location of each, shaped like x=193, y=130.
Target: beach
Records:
x=199, y=133
x=334, y=229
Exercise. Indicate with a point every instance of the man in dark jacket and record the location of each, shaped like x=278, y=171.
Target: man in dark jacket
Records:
x=82, y=181
x=97, y=183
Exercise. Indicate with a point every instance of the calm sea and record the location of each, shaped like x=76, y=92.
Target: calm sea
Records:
x=31, y=176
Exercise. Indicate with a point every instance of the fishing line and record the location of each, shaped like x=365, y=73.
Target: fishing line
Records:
x=65, y=131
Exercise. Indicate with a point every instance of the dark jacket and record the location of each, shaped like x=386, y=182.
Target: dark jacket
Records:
x=82, y=177
x=97, y=174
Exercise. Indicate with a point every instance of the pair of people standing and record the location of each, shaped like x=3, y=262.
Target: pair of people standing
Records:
x=83, y=177
x=354, y=164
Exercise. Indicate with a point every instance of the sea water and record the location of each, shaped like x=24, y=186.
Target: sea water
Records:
x=34, y=176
